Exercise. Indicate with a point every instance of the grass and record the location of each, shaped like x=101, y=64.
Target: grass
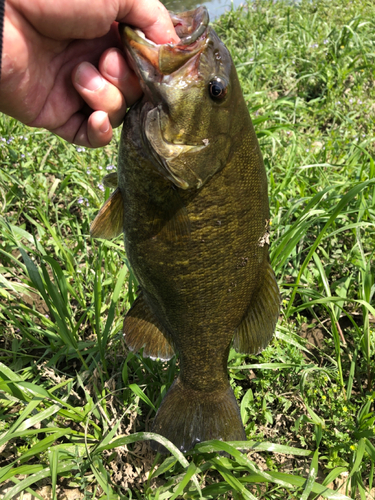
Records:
x=76, y=406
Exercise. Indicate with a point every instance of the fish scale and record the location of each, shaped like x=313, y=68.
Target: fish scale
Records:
x=192, y=201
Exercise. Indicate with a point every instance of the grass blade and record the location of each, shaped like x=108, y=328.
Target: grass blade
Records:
x=311, y=477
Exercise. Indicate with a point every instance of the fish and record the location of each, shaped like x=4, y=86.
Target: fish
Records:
x=191, y=198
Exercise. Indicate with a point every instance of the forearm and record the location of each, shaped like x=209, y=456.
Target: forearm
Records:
x=2, y=5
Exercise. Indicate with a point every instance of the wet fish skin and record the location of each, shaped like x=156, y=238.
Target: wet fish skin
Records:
x=195, y=212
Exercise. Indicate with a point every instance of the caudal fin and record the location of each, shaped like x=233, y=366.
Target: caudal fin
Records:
x=188, y=416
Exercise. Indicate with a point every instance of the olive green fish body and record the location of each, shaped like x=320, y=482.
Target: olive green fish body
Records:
x=192, y=194
x=199, y=284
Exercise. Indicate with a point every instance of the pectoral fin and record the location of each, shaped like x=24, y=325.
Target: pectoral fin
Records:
x=143, y=329
x=109, y=222
x=257, y=327
x=110, y=180
x=173, y=223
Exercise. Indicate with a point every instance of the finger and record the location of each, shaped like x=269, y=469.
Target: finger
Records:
x=92, y=132
x=99, y=129
x=95, y=132
x=151, y=17
x=115, y=69
x=99, y=94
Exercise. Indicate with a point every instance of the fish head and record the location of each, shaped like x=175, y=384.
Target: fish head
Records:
x=192, y=99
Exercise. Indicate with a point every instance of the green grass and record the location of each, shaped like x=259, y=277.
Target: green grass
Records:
x=76, y=406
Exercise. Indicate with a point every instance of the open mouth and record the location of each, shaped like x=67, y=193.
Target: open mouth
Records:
x=190, y=26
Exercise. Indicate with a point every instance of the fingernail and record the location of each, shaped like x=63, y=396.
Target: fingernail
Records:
x=88, y=77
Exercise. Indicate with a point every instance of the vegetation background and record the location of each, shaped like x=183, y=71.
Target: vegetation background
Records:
x=76, y=406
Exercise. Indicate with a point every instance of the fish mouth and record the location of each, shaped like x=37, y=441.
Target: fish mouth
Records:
x=152, y=60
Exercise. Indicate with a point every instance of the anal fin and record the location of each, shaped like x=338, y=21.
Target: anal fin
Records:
x=257, y=327
x=109, y=222
x=143, y=329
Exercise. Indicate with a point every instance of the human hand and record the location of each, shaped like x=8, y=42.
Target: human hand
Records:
x=51, y=52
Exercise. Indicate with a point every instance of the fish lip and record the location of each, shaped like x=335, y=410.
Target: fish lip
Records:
x=153, y=61
x=190, y=25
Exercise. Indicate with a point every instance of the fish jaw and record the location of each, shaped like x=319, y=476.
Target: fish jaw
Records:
x=184, y=129
x=160, y=67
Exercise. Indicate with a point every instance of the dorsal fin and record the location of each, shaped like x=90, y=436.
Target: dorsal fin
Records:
x=109, y=221
x=257, y=327
x=143, y=329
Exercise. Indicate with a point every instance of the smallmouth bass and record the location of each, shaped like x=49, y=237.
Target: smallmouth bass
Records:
x=192, y=202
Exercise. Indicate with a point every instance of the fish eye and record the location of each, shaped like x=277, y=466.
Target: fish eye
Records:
x=218, y=88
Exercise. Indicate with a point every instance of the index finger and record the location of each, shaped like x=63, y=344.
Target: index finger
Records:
x=151, y=17
x=62, y=19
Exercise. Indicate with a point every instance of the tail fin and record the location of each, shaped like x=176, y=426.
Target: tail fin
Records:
x=187, y=417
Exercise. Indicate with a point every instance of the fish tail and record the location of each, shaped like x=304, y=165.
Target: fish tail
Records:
x=187, y=416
